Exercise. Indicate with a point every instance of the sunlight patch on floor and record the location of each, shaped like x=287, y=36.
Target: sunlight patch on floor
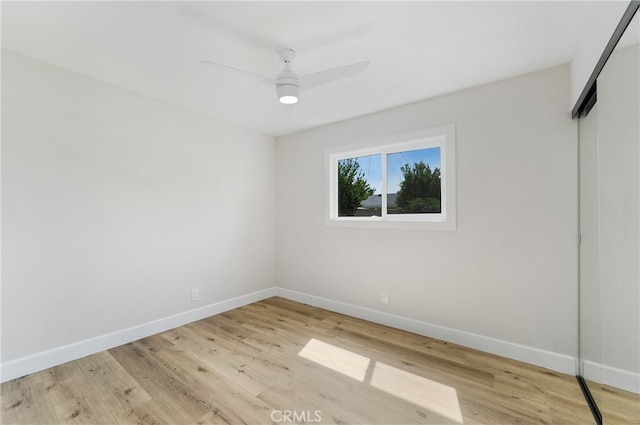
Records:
x=338, y=359
x=431, y=395
x=434, y=396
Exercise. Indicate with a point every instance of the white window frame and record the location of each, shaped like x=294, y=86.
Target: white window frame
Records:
x=442, y=137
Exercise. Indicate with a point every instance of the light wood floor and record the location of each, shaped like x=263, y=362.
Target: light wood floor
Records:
x=615, y=405
x=279, y=362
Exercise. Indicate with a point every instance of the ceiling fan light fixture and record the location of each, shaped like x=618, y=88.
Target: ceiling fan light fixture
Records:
x=288, y=100
x=288, y=94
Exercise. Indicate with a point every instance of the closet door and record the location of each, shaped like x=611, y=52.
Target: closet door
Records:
x=619, y=211
x=609, y=158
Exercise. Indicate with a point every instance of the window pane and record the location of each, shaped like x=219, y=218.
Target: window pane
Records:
x=413, y=182
x=359, y=186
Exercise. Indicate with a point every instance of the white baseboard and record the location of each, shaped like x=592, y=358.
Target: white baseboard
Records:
x=49, y=358
x=555, y=361
x=53, y=357
x=612, y=376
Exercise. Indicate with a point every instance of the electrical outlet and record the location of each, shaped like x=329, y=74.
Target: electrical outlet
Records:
x=195, y=294
x=384, y=297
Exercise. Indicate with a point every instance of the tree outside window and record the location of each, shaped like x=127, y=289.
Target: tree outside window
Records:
x=353, y=188
x=419, y=191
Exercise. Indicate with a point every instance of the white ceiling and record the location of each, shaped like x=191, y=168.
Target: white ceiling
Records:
x=417, y=49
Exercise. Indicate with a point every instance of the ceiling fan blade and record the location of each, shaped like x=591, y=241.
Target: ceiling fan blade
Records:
x=212, y=17
x=231, y=68
x=330, y=38
x=310, y=81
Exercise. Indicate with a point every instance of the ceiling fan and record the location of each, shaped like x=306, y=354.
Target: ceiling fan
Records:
x=288, y=84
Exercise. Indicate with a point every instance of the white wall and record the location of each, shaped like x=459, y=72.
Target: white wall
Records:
x=602, y=20
x=115, y=205
x=508, y=272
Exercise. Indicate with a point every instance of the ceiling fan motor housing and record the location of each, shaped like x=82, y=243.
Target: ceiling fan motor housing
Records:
x=288, y=85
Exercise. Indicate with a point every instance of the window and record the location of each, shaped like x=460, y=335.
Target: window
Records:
x=406, y=181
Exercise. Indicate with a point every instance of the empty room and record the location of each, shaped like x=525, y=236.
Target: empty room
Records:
x=331, y=212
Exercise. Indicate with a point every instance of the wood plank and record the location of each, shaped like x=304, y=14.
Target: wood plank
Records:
x=27, y=400
x=225, y=359
x=618, y=406
x=217, y=394
x=174, y=401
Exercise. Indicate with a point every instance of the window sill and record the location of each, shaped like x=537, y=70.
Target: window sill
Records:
x=379, y=223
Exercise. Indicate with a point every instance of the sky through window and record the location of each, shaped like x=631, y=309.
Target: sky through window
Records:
x=371, y=166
